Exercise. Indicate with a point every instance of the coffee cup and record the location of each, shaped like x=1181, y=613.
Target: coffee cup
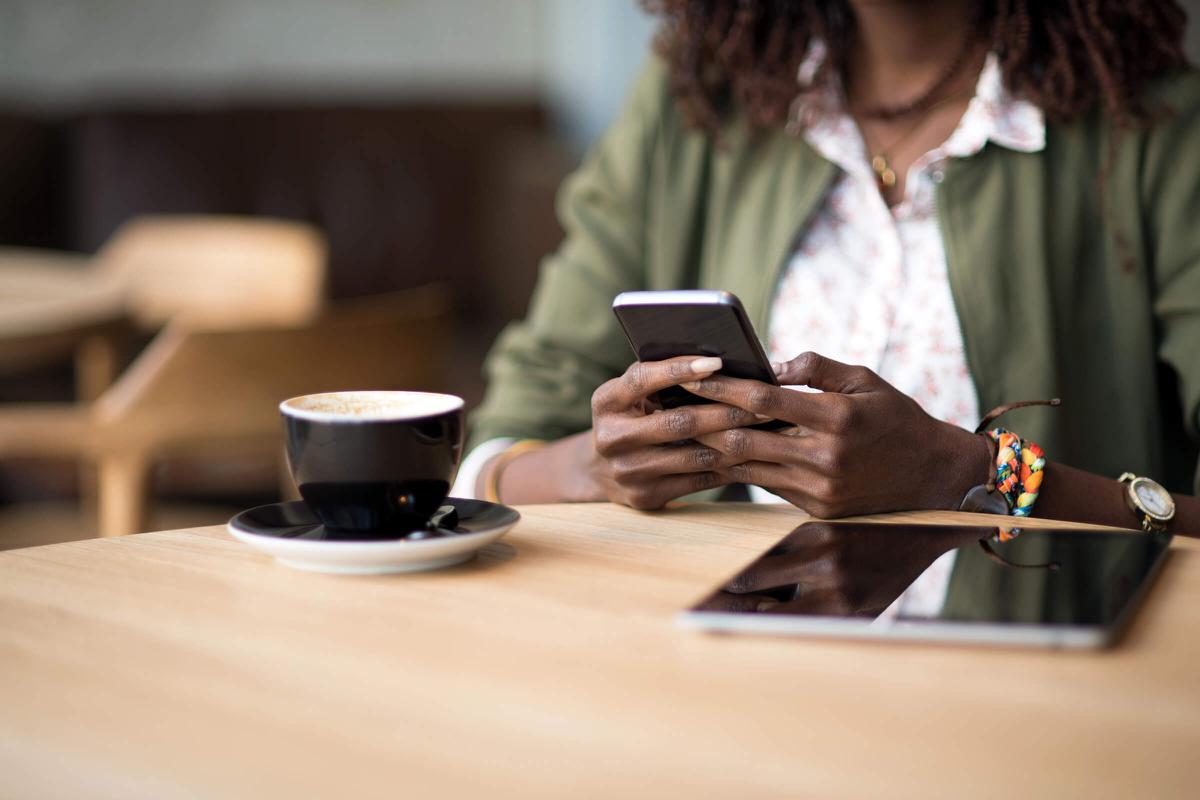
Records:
x=373, y=461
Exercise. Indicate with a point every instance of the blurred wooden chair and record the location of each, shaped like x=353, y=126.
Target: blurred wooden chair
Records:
x=216, y=392
x=215, y=272
x=239, y=305
x=56, y=308
x=205, y=271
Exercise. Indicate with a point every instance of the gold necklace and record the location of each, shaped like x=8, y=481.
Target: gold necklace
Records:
x=881, y=163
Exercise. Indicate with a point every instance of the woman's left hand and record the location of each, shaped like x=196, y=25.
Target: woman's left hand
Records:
x=859, y=446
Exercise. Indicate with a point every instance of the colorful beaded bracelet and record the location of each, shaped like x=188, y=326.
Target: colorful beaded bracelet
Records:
x=1020, y=467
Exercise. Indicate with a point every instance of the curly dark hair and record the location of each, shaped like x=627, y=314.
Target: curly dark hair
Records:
x=1066, y=56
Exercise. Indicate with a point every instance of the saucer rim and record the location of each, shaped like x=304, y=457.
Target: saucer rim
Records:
x=369, y=544
x=388, y=568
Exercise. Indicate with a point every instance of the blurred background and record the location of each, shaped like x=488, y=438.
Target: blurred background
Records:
x=420, y=143
x=208, y=205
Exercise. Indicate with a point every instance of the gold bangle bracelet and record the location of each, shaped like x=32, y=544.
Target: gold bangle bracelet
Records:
x=491, y=489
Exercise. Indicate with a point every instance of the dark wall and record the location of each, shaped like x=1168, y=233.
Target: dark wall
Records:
x=33, y=161
x=405, y=194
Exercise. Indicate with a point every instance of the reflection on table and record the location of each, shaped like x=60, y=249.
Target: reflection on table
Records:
x=843, y=569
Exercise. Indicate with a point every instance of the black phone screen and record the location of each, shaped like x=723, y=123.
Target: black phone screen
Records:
x=660, y=331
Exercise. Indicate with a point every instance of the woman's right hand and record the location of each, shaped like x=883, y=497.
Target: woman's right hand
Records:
x=636, y=453
x=643, y=456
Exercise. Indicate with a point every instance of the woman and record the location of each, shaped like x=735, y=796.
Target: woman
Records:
x=956, y=204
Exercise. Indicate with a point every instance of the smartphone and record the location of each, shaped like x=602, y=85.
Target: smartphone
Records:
x=698, y=322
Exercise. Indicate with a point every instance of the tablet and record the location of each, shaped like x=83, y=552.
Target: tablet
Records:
x=1048, y=587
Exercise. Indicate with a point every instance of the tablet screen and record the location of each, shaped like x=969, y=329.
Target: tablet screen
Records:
x=1061, y=586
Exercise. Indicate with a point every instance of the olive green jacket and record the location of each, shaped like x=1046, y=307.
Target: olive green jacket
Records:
x=1066, y=285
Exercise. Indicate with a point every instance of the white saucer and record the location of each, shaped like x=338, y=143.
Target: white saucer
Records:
x=294, y=536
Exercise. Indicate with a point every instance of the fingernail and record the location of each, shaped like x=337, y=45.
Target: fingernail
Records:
x=691, y=386
x=777, y=367
x=704, y=365
x=763, y=417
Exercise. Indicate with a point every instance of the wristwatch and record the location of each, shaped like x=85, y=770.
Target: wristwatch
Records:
x=1149, y=501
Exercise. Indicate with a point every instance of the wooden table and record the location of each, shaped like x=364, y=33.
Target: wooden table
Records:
x=54, y=305
x=182, y=664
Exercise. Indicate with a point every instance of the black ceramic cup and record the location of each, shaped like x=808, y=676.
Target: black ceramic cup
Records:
x=373, y=461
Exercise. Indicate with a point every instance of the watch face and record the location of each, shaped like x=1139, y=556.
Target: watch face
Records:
x=1153, y=499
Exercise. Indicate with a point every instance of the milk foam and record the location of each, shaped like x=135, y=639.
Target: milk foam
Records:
x=369, y=406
